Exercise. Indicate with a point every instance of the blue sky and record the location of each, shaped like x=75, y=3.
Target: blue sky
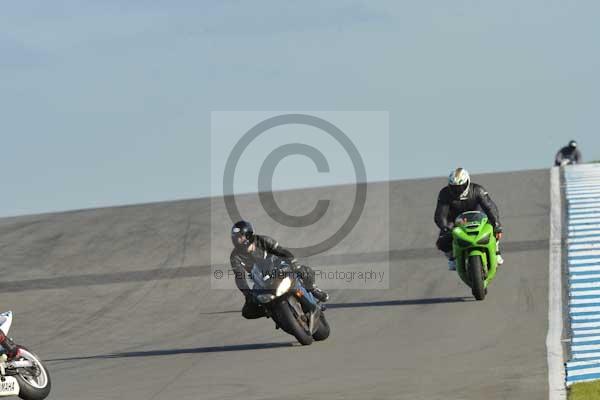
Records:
x=107, y=103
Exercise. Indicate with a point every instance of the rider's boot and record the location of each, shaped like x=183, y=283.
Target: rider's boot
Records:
x=319, y=294
x=11, y=348
x=499, y=258
x=451, y=261
x=308, y=278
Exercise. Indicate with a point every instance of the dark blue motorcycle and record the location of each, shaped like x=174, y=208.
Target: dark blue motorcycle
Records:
x=294, y=309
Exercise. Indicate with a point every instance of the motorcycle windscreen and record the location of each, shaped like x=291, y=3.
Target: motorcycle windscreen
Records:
x=470, y=218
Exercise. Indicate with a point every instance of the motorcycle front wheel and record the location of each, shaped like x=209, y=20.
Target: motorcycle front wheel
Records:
x=292, y=322
x=476, y=275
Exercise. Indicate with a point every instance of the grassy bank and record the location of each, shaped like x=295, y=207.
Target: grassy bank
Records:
x=585, y=391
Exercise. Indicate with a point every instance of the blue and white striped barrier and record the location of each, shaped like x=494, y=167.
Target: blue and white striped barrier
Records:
x=582, y=194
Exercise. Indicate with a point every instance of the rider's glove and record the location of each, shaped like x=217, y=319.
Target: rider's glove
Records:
x=498, y=231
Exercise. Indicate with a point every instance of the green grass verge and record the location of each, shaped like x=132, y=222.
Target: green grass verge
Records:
x=585, y=391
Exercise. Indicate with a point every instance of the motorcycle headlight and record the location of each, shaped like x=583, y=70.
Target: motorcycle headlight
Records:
x=264, y=298
x=284, y=286
x=484, y=240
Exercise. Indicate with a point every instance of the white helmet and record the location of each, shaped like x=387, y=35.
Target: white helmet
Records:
x=459, y=182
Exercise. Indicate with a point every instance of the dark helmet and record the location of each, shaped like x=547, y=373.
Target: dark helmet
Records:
x=242, y=235
x=573, y=144
x=459, y=182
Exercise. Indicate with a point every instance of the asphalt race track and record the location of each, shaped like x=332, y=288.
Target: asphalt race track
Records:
x=119, y=303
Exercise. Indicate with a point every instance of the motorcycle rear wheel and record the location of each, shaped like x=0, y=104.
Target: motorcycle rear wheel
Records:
x=323, y=330
x=33, y=387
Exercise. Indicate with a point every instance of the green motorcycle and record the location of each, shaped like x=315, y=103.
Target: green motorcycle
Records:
x=474, y=247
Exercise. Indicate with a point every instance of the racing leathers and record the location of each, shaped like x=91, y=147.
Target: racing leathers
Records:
x=11, y=348
x=569, y=154
x=450, y=207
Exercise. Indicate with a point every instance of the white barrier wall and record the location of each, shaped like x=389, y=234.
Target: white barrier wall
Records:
x=582, y=196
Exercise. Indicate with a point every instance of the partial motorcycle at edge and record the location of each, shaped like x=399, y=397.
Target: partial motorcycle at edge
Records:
x=25, y=375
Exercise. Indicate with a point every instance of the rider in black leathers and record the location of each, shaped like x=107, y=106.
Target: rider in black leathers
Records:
x=569, y=153
x=248, y=248
x=459, y=196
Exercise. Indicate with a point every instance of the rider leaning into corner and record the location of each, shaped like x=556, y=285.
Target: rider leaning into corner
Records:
x=249, y=248
x=569, y=154
x=461, y=195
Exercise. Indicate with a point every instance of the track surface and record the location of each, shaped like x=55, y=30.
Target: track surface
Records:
x=119, y=302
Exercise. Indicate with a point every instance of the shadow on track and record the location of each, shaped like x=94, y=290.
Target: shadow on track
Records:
x=170, y=352
x=191, y=271
x=222, y=312
x=408, y=302
x=384, y=303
